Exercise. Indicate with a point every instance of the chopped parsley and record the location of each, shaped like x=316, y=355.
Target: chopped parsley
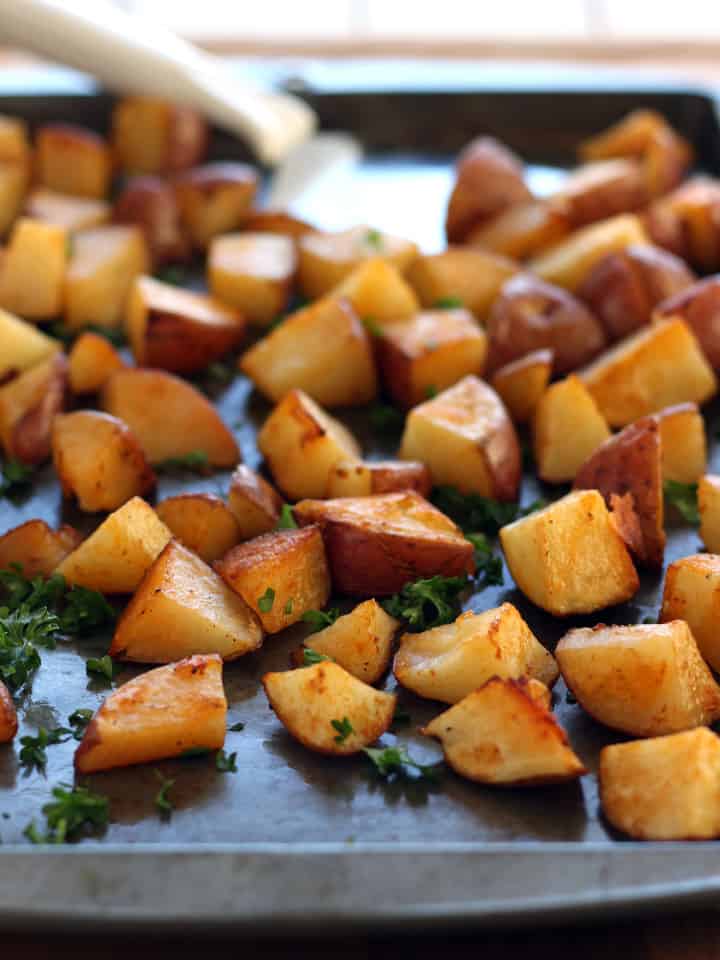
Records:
x=266, y=601
x=102, y=668
x=311, y=657
x=78, y=721
x=384, y=418
x=162, y=801
x=225, y=762
x=32, y=752
x=392, y=762
x=22, y=631
x=319, y=619
x=343, y=727
x=16, y=478
x=85, y=610
x=286, y=521
x=288, y=608
x=448, y=303
x=73, y=811
x=173, y=275
x=427, y=603
x=648, y=620
x=237, y=727
x=373, y=238
x=472, y=512
x=683, y=496
x=489, y=568
x=196, y=461
x=372, y=326
x=431, y=392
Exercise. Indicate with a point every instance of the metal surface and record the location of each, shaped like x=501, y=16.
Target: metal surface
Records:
x=302, y=838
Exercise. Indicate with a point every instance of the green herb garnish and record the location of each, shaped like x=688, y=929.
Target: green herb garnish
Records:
x=396, y=762
x=372, y=326
x=343, y=727
x=286, y=520
x=474, y=513
x=427, y=603
x=488, y=564
x=32, y=752
x=311, y=657
x=195, y=752
x=225, y=762
x=102, y=667
x=73, y=810
x=373, y=238
x=79, y=720
x=22, y=631
x=431, y=392
x=162, y=801
x=319, y=619
x=173, y=275
x=237, y=727
x=195, y=462
x=384, y=418
x=266, y=601
x=288, y=608
x=85, y=610
x=16, y=478
x=683, y=496
x=448, y=303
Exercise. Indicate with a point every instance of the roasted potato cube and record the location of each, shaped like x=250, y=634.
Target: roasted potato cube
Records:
x=449, y=662
x=91, y=361
x=115, y=558
x=654, y=368
x=8, y=716
x=665, y=788
x=569, y=261
x=179, y=330
x=685, y=222
x=472, y=277
x=34, y=294
x=14, y=144
x=532, y=315
x=104, y=263
x=169, y=416
x=322, y=349
x=72, y=159
x=467, y=440
x=253, y=272
x=683, y=443
x=277, y=221
x=72, y=213
x=280, y=575
x=567, y=428
x=253, y=502
x=569, y=558
x=361, y=641
x=596, y=191
x=149, y=203
x=522, y=230
x=429, y=352
x=328, y=709
x=501, y=735
x=202, y=522
x=215, y=199
x=522, y=382
x=162, y=713
x=325, y=259
x=349, y=478
x=150, y=135
x=28, y=405
x=22, y=346
x=181, y=608
x=301, y=443
x=631, y=463
x=699, y=306
x=375, y=545
x=36, y=548
x=645, y=680
x=99, y=460
x=13, y=185
x=709, y=506
x=692, y=593
x=378, y=292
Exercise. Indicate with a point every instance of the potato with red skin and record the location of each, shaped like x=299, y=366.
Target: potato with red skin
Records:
x=150, y=203
x=686, y=222
x=489, y=179
x=699, y=306
x=350, y=478
x=28, y=405
x=214, y=199
x=151, y=135
x=8, y=716
x=624, y=288
x=72, y=159
x=596, y=191
x=532, y=315
x=36, y=547
x=523, y=230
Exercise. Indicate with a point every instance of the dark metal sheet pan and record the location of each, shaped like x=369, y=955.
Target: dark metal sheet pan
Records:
x=298, y=839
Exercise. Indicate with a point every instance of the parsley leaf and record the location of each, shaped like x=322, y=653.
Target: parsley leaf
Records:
x=225, y=762
x=344, y=729
x=288, y=608
x=373, y=238
x=266, y=601
x=16, y=478
x=32, y=753
x=448, y=303
x=372, y=326
x=22, y=631
x=33, y=594
x=384, y=418
x=102, y=667
x=173, y=275
x=195, y=462
x=237, y=727
x=84, y=610
x=683, y=496
x=286, y=520
x=489, y=568
x=319, y=619
x=73, y=810
x=427, y=603
x=472, y=512
x=162, y=801
x=311, y=657
x=431, y=392
x=395, y=761
x=79, y=720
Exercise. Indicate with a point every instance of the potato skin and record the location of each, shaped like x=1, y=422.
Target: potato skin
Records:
x=215, y=198
x=604, y=189
x=28, y=406
x=8, y=716
x=149, y=203
x=37, y=548
x=530, y=315
x=699, y=306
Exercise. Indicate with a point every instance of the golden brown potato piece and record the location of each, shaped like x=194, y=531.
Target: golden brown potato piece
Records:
x=699, y=306
x=569, y=558
x=692, y=593
x=531, y=315
x=91, y=361
x=181, y=608
x=325, y=259
x=163, y=713
x=571, y=260
x=36, y=548
x=149, y=203
x=361, y=641
x=301, y=443
x=28, y=405
x=202, y=522
x=169, y=417
x=624, y=288
x=429, y=352
x=72, y=159
x=215, y=199
x=466, y=439
x=501, y=735
x=596, y=191
x=654, y=368
x=665, y=788
x=349, y=478
x=99, y=460
x=8, y=716
x=22, y=346
x=150, y=135
x=277, y=221
x=631, y=463
x=686, y=223
x=567, y=428
x=64, y=210
x=378, y=293
x=32, y=293
x=253, y=272
x=253, y=502
x=375, y=545
x=522, y=382
x=683, y=443
x=14, y=179
x=449, y=662
x=645, y=680
x=467, y=275
x=322, y=349
x=280, y=575
x=709, y=506
x=328, y=709
x=14, y=143
x=522, y=230
x=104, y=263
x=115, y=558
x=489, y=179
x=179, y=330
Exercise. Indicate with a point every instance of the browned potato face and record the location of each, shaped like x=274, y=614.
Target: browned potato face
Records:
x=72, y=213
x=685, y=222
x=254, y=503
x=25, y=290
x=253, y=272
x=92, y=360
x=523, y=230
x=72, y=159
x=533, y=315
x=28, y=405
x=624, y=288
x=600, y=190
x=489, y=179
x=699, y=306
x=472, y=276
x=8, y=716
x=683, y=442
x=349, y=478
x=36, y=548
x=149, y=203
x=215, y=199
x=153, y=136
x=202, y=522
x=14, y=179
x=23, y=346
x=361, y=641
x=375, y=545
x=692, y=593
x=277, y=221
x=377, y=291
x=14, y=144
x=521, y=383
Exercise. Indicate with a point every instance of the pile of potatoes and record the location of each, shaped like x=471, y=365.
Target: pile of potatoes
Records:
x=577, y=317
